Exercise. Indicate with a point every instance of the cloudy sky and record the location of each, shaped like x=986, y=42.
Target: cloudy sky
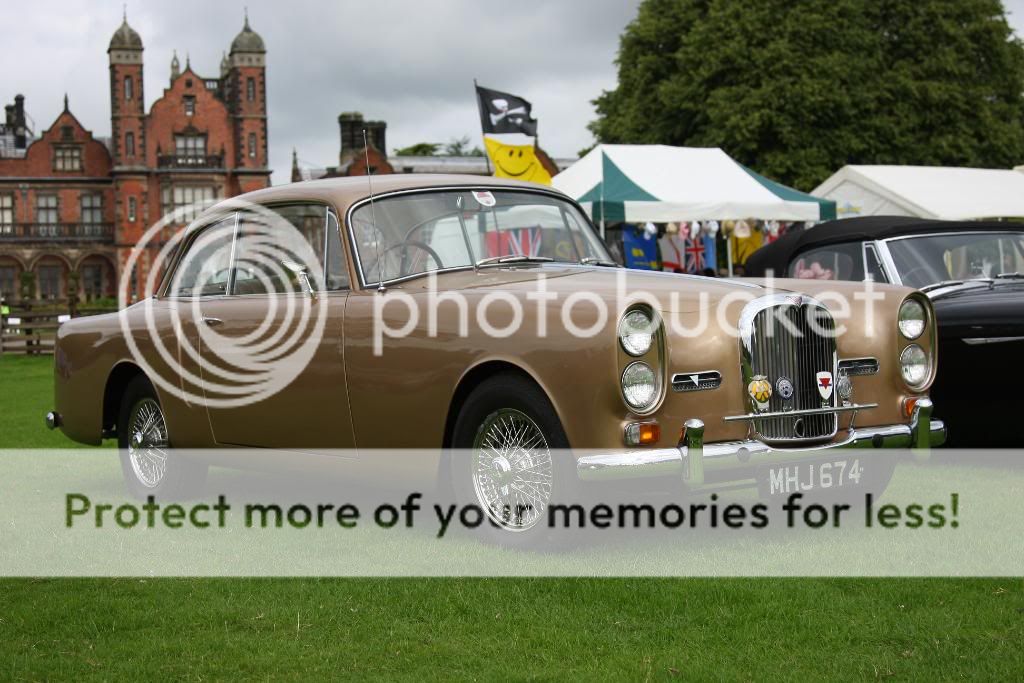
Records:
x=411, y=64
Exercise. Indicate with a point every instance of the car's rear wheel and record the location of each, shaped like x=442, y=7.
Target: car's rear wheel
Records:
x=149, y=466
x=509, y=458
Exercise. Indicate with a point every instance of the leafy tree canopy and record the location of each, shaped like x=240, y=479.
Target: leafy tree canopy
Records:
x=420, y=149
x=797, y=88
x=457, y=147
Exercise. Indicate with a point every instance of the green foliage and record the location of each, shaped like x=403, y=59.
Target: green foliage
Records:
x=420, y=149
x=797, y=89
x=28, y=285
x=457, y=147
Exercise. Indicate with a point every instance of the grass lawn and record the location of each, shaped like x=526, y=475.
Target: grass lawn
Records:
x=485, y=629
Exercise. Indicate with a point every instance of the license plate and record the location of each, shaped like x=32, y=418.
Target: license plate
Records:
x=783, y=480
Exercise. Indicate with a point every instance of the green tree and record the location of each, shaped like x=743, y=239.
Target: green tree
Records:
x=420, y=149
x=457, y=147
x=796, y=89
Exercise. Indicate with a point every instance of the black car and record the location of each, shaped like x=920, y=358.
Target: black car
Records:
x=974, y=274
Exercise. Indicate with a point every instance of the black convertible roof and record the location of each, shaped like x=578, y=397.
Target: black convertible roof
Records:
x=778, y=255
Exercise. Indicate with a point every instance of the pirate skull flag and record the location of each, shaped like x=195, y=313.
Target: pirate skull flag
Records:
x=501, y=112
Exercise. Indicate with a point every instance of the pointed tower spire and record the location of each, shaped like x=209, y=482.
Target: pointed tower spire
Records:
x=296, y=173
x=246, y=12
x=188, y=62
x=65, y=102
x=175, y=67
x=225, y=65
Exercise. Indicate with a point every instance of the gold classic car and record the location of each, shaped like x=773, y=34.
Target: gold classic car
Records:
x=464, y=313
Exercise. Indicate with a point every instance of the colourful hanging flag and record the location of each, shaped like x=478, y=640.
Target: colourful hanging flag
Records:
x=515, y=242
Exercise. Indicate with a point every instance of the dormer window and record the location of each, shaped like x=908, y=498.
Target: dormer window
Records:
x=68, y=158
x=67, y=133
x=190, y=105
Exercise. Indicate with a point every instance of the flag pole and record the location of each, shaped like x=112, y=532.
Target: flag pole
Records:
x=483, y=138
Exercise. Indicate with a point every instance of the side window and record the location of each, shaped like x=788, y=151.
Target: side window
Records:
x=276, y=244
x=834, y=262
x=205, y=269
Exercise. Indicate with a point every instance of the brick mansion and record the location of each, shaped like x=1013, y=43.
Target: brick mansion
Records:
x=73, y=205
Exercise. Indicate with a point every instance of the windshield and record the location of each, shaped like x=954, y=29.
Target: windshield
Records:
x=421, y=232
x=928, y=259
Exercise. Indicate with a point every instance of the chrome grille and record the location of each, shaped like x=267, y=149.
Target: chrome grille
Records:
x=785, y=342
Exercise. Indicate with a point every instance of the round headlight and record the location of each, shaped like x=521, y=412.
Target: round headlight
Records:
x=639, y=385
x=912, y=319
x=636, y=333
x=914, y=366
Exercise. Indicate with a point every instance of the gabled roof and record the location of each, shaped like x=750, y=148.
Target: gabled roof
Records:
x=941, y=192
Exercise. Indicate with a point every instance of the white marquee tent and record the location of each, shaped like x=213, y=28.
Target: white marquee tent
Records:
x=941, y=192
x=659, y=183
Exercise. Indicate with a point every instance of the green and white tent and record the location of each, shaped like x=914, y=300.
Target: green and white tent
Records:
x=658, y=183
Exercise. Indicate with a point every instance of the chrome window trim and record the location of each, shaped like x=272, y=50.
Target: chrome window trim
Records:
x=872, y=246
x=447, y=188
x=882, y=249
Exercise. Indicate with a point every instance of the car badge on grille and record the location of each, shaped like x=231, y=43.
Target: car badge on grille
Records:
x=796, y=300
x=784, y=386
x=825, y=385
x=844, y=387
x=760, y=390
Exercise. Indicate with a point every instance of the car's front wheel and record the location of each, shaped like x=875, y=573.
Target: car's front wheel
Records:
x=509, y=458
x=149, y=466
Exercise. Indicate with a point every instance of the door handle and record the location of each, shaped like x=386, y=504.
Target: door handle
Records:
x=212, y=322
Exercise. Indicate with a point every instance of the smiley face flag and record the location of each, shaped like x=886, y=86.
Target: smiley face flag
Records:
x=510, y=135
x=515, y=156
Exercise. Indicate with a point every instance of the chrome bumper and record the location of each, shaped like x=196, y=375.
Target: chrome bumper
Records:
x=694, y=458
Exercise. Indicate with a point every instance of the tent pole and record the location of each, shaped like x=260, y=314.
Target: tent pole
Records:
x=728, y=253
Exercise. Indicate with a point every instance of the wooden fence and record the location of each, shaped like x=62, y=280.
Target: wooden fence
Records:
x=30, y=327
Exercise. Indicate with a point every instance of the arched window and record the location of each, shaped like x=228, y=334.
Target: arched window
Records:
x=250, y=89
x=129, y=88
x=129, y=144
x=252, y=145
x=132, y=209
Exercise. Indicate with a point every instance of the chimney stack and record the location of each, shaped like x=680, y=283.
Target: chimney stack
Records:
x=20, y=135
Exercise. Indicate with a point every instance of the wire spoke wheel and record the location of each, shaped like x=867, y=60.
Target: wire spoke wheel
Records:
x=148, y=442
x=512, y=469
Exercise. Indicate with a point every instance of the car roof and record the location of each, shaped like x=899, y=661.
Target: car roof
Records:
x=343, y=192
x=778, y=255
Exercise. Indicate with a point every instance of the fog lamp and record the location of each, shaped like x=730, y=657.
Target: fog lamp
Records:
x=914, y=366
x=639, y=385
